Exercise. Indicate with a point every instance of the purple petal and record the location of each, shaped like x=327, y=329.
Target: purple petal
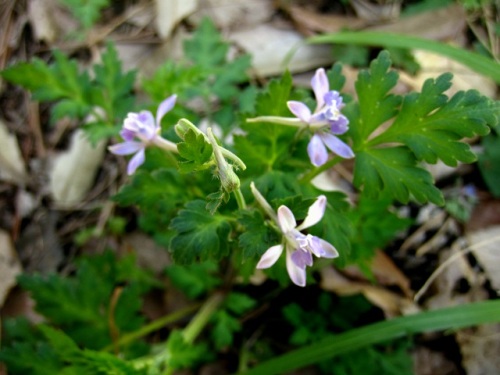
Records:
x=164, y=107
x=329, y=251
x=286, y=219
x=302, y=258
x=320, y=86
x=297, y=274
x=270, y=257
x=315, y=213
x=300, y=110
x=337, y=146
x=127, y=134
x=339, y=126
x=136, y=161
x=125, y=148
x=146, y=125
x=333, y=98
x=317, y=151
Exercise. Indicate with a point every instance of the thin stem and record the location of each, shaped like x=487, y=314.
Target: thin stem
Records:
x=194, y=328
x=165, y=144
x=316, y=171
x=288, y=121
x=153, y=326
x=240, y=199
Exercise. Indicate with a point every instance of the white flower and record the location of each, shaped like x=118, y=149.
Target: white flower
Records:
x=299, y=247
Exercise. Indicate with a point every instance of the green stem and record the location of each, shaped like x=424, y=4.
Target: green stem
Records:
x=200, y=320
x=151, y=327
x=240, y=199
x=316, y=171
x=165, y=144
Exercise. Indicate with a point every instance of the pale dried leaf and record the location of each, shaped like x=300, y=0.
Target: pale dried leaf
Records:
x=376, y=12
x=428, y=362
x=170, y=12
x=485, y=245
x=149, y=254
x=10, y=267
x=270, y=45
x=74, y=171
x=480, y=347
x=41, y=17
x=232, y=14
x=12, y=167
x=464, y=78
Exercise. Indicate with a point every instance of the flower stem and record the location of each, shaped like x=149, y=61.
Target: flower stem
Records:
x=165, y=144
x=240, y=199
x=316, y=171
x=194, y=328
x=288, y=121
x=153, y=326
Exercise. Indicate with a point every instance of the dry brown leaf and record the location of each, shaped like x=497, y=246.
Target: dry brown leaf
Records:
x=149, y=254
x=480, y=347
x=269, y=46
x=485, y=214
x=41, y=17
x=428, y=362
x=12, y=167
x=10, y=267
x=376, y=12
x=234, y=14
x=170, y=12
x=391, y=303
x=74, y=171
x=485, y=246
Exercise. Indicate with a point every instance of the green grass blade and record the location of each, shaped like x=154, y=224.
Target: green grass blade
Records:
x=437, y=320
x=475, y=61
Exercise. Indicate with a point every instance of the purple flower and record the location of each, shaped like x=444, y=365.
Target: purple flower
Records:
x=299, y=247
x=141, y=130
x=326, y=121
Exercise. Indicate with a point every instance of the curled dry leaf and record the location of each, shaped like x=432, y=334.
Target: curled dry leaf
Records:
x=268, y=45
x=485, y=246
x=41, y=17
x=170, y=13
x=73, y=171
x=12, y=167
x=10, y=267
x=480, y=347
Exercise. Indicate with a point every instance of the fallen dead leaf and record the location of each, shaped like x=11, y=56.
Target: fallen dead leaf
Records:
x=170, y=13
x=149, y=254
x=12, y=167
x=74, y=171
x=269, y=45
x=10, y=266
x=233, y=14
x=376, y=12
x=480, y=347
x=428, y=362
x=485, y=246
x=41, y=17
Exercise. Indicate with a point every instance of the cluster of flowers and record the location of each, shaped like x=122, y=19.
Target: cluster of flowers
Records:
x=141, y=130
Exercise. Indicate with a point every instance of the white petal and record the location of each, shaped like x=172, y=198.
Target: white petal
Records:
x=270, y=256
x=337, y=146
x=315, y=213
x=125, y=148
x=136, y=161
x=286, y=219
x=297, y=274
x=300, y=110
x=329, y=251
x=317, y=151
x=164, y=107
x=320, y=86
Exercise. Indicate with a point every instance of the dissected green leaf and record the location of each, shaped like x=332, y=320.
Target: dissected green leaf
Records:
x=196, y=150
x=183, y=355
x=257, y=236
x=200, y=236
x=489, y=163
x=194, y=279
x=224, y=329
x=87, y=11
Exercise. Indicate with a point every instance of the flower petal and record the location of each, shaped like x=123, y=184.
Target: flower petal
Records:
x=164, y=107
x=302, y=258
x=317, y=151
x=315, y=213
x=270, y=256
x=320, y=86
x=297, y=274
x=337, y=146
x=125, y=148
x=339, y=126
x=286, y=219
x=300, y=110
x=136, y=161
x=329, y=251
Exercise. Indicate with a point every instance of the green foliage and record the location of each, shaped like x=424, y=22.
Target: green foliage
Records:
x=375, y=225
x=258, y=236
x=426, y=127
x=489, y=161
x=195, y=279
x=87, y=11
x=80, y=304
x=181, y=355
x=200, y=236
x=196, y=151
